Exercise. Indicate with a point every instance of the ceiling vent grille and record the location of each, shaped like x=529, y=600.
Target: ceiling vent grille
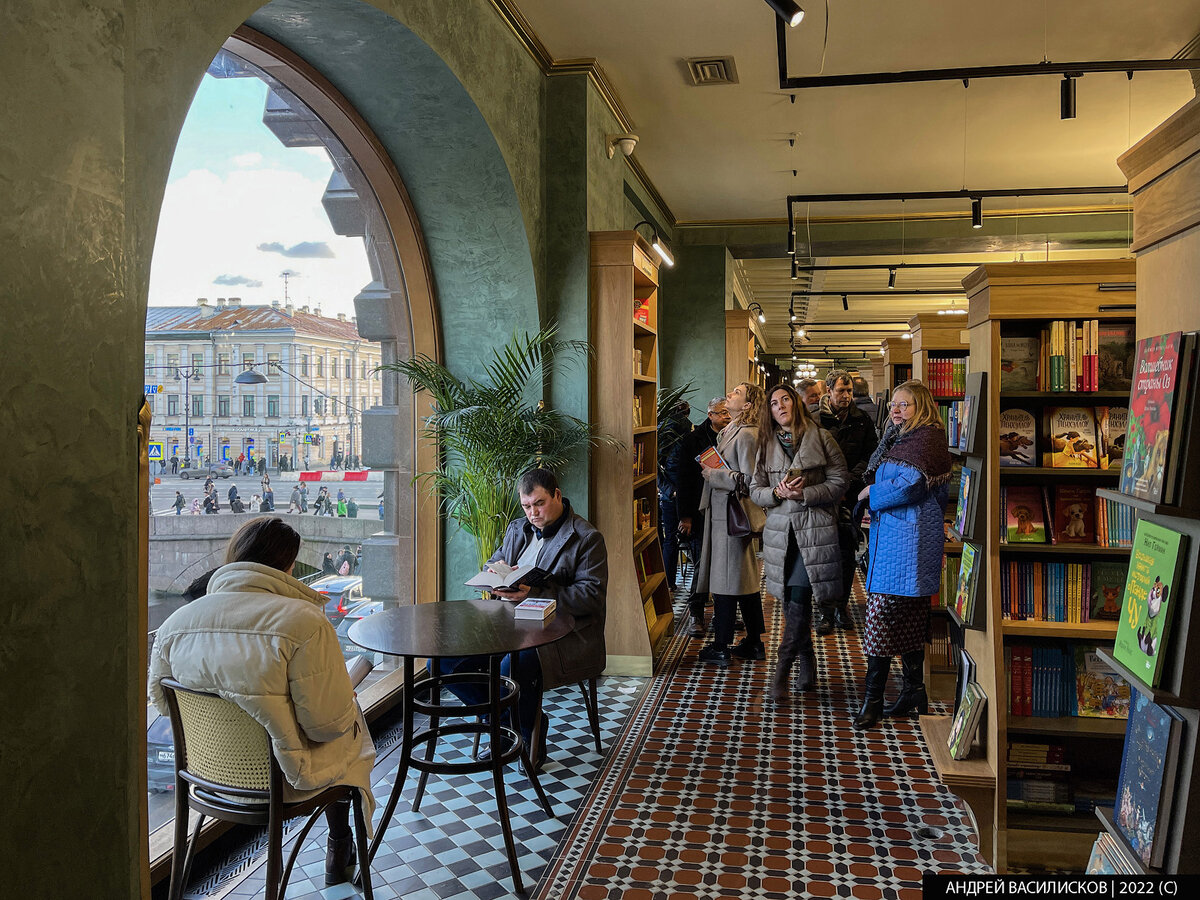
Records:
x=706, y=70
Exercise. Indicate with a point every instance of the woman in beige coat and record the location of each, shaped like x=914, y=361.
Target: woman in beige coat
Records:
x=799, y=477
x=728, y=568
x=260, y=639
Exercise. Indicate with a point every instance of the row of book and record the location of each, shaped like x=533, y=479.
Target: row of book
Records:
x=1074, y=592
x=1069, y=356
x=948, y=589
x=1074, y=516
x=1056, y=680
x=1071, y=437
x=639, y=459
x=956, y=420
x=946, y=375
x=1039, y=780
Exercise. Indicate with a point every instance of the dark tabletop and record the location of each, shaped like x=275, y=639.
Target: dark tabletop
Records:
x=456, y=628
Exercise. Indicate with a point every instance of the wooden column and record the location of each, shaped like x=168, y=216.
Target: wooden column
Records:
x=739, y=348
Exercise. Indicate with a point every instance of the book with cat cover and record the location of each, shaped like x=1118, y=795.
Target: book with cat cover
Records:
x=1018, y=438
x=1162, y=362
x=1074, y=514
x=1019, y=363
x=1071, y=438
x=1116, y=350
x=1023, y=519
x=1146, y=786
x=1155, y=567
x=1111, y=424
x=1100, y=692
x=1108, y=590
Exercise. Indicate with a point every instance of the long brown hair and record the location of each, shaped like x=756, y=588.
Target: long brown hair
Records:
x=751, y=413
x=269, y=541
x=768, y=428
x=926, y=406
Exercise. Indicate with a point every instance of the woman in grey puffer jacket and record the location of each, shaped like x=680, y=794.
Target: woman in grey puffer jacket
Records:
x=799, y=479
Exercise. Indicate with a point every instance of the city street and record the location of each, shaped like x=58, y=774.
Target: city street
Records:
x=162, y=496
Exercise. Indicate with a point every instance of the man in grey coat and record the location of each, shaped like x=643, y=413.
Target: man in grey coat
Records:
x=572, y=554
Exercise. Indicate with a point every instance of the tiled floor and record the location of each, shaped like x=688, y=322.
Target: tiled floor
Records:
x=707, y=790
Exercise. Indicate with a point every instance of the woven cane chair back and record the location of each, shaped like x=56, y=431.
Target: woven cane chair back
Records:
x=224, y=744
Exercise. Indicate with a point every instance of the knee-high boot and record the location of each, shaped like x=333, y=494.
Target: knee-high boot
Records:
x=912, y=694
x=876, y=681
x=795, y=646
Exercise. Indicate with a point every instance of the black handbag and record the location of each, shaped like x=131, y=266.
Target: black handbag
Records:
x=743, y=517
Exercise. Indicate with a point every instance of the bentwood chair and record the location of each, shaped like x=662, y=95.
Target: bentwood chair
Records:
x=225, y=769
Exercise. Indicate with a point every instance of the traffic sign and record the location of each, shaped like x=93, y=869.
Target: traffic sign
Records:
x=154, y=388
x=156, y=450
x=308, y=439
x=191, y=431
x=173, y=428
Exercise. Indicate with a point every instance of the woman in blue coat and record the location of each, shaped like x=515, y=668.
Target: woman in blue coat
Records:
x=906, y=493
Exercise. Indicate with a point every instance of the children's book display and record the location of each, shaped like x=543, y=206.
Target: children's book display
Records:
x=1155, y=567
x=1108, y=589
x=1071, y=438
x=1146, y=787
x=1100, y=693
x=1074, y=514
x=968, y=579
x=1111, y=424
x=1058, y=679
x=1022, y=515
x=964, y=518
x=1018, y=438
x=966, y=721
x=1033, y=590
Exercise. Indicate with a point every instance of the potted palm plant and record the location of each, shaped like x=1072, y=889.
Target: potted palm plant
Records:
x=491, y=430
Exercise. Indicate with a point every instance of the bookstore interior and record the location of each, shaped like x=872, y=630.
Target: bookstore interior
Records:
x=855, y=192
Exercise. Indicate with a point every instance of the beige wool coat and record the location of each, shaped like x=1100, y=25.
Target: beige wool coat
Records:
x=812, y=520
x=260, y=639
x=727, y=564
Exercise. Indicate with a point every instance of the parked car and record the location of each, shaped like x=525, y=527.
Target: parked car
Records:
x=160, y=753
x=356, y=613
x=219, y=470
x=343, y=591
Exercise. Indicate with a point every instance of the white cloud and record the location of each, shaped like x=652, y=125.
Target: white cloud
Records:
x=245, y=160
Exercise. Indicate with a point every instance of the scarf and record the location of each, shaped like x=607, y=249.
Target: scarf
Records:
x=923, y=448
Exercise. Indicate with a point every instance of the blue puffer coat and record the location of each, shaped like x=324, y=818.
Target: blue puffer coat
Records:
x=906, y=537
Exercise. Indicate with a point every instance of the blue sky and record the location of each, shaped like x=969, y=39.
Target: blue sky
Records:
x=240, y=208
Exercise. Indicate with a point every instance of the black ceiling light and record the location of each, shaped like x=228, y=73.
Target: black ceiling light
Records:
x=845, y=303
x=656, y=242
x=788, y=10
x=757, y=309
x=1066, y=97
x=792, y=309
x=976, y=212
x=891, y=279
x=795, y=270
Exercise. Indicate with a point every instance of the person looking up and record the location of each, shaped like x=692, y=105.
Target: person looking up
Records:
x=689, y=489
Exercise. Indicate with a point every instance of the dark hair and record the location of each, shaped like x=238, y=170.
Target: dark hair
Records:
x=768, y=427
x=199, y=586
x=537, y=478
x=270, y=542
x=861, y=388
x=837, y=376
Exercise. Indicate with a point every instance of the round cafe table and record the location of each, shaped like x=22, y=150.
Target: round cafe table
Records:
x=473, y=627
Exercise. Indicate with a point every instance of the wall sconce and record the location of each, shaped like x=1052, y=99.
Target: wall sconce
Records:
x=624, y=142
x=656, y=242
x=757, y=309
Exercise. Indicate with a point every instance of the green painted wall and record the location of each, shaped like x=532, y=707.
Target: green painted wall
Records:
x=692, y=323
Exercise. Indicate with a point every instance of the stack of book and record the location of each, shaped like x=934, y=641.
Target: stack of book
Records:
x=946, y=376
x=1069, y=356
x=1056, y=680
x=1038, y=778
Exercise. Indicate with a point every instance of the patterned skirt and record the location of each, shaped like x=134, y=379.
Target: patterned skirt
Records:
x=895, y=625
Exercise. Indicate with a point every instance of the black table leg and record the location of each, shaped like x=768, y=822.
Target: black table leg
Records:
x=498, y=769
x=435, y=700
x=405, y=758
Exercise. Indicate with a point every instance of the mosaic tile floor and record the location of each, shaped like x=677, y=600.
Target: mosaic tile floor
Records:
x=707, y=791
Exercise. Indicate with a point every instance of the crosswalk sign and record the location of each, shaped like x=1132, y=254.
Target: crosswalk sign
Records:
x=156, y=450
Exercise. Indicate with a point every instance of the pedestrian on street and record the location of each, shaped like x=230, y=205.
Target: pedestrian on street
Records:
x=196, y=507
x=256, y=503
x=294, y=501
x=241, y=459
x=268, y=499
x=351, y=509
x=341, y=507
x=233, y=494
x=174, y=465
x=327, y=566
x=262, y=465
x=237, y=506
x=265, y=481
x=303, y=497
x=341, y=495
x=179, y=501
x=210, y=503
x=381, y=507
x=208, y=484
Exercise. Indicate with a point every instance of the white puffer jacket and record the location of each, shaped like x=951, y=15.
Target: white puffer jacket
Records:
x=260, y=639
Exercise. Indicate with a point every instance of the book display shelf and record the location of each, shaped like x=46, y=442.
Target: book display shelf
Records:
x=1031, y=593
x=624, y=299
x=897, y=362
x=739, y=350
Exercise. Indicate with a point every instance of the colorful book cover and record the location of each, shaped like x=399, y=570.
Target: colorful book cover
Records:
x=1111, y=424
x=1108, y=590
x=1072, y=437
x=1018, y=438
x=1154, y=569
x=1116, y=350
x=1074, y=514
x=1100, y=692
x=711, y=459
x=1151, y=406
x=1019, y=363
x=966, y=408
x=1023, y=519
x=1146, y=786
x=966, y=491
x=964, y=598
x=966, y=721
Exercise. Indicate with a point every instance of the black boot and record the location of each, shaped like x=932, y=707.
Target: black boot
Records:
x=912, y=694
x=876, y=681
x=806, y=670
x=841, y=618
x=790, y=644
x=824, y=621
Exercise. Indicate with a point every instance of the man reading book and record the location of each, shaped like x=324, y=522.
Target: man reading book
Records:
x=573, y=557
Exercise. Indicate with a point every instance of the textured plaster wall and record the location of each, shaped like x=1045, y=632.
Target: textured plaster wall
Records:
x=692, y=323
x=605, y=177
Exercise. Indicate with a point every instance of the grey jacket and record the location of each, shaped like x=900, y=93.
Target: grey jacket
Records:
x=727, y=564
x=812, y=520
x=577, y=560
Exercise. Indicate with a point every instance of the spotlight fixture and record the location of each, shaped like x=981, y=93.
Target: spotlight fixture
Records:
x=623, y=142
x=791, y=242
x=907, y=335
x=758, y=310
x=891, y=279
x=1066, y=97
x=845, y=304
x=800, y=332
x=788, y=10
x=795, y=270
x=656, y=242
x=976, y=212
x=792, y=309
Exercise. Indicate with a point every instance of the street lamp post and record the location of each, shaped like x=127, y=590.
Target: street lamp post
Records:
x=187, y=374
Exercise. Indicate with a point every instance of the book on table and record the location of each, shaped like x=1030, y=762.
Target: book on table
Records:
x=537, y=608
x=499, y=575
x=1155, y=566
x=1146, y=786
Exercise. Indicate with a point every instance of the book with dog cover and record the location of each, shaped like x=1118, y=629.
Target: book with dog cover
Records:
x=1155, y=404
x=1071, y=438
x=1074, y=514
x=1018, y=438
x=1155, y=567
x=1023, y=519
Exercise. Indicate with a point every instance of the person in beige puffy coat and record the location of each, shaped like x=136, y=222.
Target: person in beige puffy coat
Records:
x=260, y=639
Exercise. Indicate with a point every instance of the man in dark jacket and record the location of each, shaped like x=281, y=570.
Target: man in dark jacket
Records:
x=670, y=445
x=689, y=486
x=862, y=398
x=855, y=435
x=571, y=553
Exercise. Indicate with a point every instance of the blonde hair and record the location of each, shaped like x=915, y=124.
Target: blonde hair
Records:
x=926, y=407
x=756, y=399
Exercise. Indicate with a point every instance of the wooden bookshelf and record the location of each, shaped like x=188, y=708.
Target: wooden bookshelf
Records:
x=624, y=275
x=897, y=362
x=972, y=780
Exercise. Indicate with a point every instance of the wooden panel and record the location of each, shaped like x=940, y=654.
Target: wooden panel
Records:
x=934, y=332
x=737, y=339
x=1168, y=205
x=1175, y=140
x=897, y=352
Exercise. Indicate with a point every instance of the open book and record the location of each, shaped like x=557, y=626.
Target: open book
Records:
x=506, y=576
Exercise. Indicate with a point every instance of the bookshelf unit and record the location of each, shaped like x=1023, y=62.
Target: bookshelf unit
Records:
x=624, y=483
x=739, y=349
x=897, y=362
x=1007, y=298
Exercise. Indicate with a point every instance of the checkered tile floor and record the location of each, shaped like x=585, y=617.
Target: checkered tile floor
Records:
x=706, y=791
